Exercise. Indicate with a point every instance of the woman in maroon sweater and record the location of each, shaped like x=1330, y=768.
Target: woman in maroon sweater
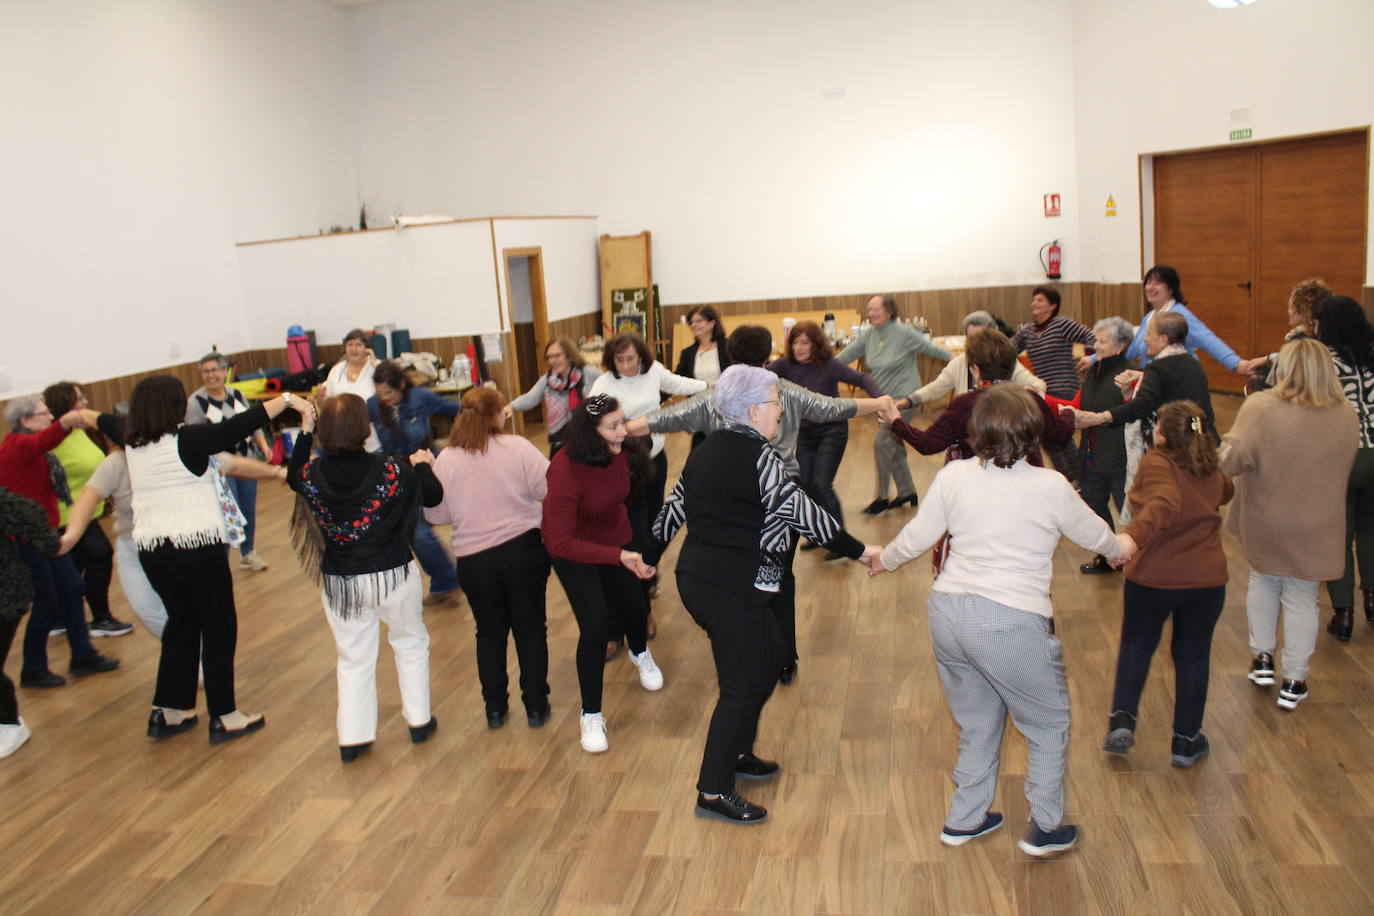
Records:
x=586, y=528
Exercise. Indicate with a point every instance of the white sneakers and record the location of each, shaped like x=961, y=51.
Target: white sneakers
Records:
x=594, y=732
x=650, y=675
x=12, y=737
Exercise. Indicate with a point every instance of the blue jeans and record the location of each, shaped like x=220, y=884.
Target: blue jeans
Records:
x=58, y=593
x=246, y=495
x=820, y=448
x=435, y=559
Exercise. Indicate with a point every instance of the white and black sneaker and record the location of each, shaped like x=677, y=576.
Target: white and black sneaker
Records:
x=1262, y=670
x=952, y=837
x=1039, y=842
x=110, y=627
x=1292, y=693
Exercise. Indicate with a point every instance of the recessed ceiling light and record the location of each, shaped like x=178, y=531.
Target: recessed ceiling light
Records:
x=1229, y=4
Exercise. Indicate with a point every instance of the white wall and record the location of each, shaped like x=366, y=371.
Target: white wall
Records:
x=1165, y=75
x=708, y=123
x=142, y=139
x=572, y=275
x=431, y=280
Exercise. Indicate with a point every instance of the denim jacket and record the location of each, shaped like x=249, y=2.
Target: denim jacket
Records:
x=412, y=419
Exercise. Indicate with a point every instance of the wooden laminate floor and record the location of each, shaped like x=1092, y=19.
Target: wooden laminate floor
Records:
x=98, y=819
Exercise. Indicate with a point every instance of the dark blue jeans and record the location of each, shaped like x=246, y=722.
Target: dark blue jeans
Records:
x=1096, y=488
x=58, y=593
x=246, y=495
x=435, y=558
x=820, y=448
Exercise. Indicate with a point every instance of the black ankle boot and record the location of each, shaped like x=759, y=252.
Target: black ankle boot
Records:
x=1342, y=622
x=1368, y=604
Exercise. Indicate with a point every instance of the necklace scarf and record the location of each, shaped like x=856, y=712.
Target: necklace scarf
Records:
x=557, y=409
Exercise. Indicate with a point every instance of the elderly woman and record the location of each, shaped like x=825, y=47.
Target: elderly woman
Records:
x=741, y=509
x=215, y=402
x=21, y=522
x=1298, y=437
x=400, y=414
x=353, y=521
x=1049, y=340
x=28, y=468
x=889, y=349
x=1302, y=307
x=566, y=384
x=93, y=555
x=1343, y=328
x=991, y=615
x=179, y=527
x=1179, y=574
x=588, y=534
x=1103, y=448
x=956, y=378
x=810, y=362
x=493, y=484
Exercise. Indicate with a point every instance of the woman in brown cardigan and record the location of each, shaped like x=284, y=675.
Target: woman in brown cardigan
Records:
x=1179, y=573
x=1297, y=437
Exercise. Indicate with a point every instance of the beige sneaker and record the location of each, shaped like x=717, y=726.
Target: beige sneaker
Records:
x=252, y=561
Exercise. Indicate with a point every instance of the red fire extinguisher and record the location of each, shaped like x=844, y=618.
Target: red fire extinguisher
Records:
x=1054, y=263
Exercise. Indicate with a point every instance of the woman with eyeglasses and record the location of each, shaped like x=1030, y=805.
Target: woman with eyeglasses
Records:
x=587, y=533
x=566, y=384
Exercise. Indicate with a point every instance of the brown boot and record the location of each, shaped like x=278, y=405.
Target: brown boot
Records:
x=1342, y=622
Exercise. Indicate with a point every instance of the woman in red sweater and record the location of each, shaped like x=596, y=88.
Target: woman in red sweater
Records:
x=586, y=530
x=1180, y=572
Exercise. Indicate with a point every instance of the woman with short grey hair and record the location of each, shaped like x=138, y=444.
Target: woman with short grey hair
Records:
x=1103, y=448
x=956, y=379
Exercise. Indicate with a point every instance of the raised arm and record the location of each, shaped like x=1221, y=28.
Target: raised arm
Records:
x=673, y=383
x=921, y=533
x=532, y=398
x=785, y=501
x=693, y=415
x=938, y=387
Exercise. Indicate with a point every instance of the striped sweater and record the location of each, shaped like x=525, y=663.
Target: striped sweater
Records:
x=1050, y=347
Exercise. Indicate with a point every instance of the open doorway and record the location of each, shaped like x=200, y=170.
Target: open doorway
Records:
x=529, y=315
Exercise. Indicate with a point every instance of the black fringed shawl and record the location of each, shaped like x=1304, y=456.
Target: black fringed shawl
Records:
x=354, y=521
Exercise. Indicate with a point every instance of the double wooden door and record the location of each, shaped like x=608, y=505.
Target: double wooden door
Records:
x=1244, y=224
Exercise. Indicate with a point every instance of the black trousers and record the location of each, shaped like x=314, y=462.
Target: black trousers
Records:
x=1195, y=612
x=820, y=449
x=9, y=705
x=1097, y=488
x=94, y=557
x=747, y=646
x=785, y=609
x=643, y=507
x=197, y=589
x=595, y=592
x=505, y=586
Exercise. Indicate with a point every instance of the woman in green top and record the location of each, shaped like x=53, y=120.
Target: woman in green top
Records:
x=889, y=349
x=94, y=557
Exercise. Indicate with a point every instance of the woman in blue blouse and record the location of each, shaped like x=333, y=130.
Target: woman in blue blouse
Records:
x=400, y=413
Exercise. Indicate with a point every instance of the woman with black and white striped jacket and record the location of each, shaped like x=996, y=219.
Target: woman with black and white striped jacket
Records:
x=742, y=511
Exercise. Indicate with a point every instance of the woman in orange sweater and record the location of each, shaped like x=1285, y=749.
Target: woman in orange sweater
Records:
x=1180, y=571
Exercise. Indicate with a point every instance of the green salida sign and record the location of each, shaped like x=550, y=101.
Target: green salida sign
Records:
x=1242, y=134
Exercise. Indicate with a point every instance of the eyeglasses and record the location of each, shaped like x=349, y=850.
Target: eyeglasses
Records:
x=777, y=401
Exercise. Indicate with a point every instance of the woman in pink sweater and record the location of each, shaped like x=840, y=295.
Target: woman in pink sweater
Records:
x=493, y=484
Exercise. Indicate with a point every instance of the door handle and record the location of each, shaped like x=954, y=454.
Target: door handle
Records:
x=1245, y=286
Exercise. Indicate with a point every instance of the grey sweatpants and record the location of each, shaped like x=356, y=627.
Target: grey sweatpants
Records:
x=992, y=660
x=1298, y=599
x=889, y=458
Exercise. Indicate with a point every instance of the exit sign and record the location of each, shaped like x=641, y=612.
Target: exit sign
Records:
x=1243, y=134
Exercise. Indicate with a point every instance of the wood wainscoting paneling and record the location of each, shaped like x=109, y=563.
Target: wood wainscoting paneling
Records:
x=576, y=327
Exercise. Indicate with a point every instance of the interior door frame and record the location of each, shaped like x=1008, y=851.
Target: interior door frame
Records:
x=539, y=308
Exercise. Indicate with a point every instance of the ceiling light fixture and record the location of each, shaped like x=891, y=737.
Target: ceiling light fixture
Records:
x=1229, y=4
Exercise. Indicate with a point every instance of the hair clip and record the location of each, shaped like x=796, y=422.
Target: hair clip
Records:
x=597, y=404
x=1195, y=424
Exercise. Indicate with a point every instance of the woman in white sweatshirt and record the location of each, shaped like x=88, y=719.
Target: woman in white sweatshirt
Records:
x=990, y=612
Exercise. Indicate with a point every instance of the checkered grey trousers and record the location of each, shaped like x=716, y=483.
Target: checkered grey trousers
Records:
x=992, y=660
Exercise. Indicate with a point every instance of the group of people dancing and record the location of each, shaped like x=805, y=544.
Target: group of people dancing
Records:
x=768, y=436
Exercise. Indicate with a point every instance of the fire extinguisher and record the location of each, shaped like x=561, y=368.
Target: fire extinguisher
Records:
x=1055, y=261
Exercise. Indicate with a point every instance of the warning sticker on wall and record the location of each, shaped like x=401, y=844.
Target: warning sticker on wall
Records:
x=1051, y=205
x=1111, y=206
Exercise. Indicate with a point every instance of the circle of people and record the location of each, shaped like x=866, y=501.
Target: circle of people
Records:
x=768, y=436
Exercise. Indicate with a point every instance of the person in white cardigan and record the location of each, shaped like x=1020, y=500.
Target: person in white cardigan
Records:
x=991, y=614
x=638, y=382
x=955, y=378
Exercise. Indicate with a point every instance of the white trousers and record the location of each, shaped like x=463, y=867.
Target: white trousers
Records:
x=138, y=591
x=1264, y=597
x=357, y=640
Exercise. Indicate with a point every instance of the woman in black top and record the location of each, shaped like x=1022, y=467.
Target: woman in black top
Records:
x=706, y=358
x=355, y=517
x=741, y=509
x=181, y=527
x=1103, y=449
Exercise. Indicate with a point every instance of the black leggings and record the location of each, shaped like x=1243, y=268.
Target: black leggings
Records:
x=595, y=592
x=505, y=586
x=9, y=706
x=198, y=591
x=94, y=557
x=1195, y=612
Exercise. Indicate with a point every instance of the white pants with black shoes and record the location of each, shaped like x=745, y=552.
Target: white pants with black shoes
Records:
x=1264, y=597
x=357, y=638
x=993, y=660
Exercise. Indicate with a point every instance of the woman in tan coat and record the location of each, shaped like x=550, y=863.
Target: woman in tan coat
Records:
x=1298, y=437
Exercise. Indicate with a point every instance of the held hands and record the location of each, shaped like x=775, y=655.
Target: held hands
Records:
x=67, y=542
x=72, y=419
x=1124, y=380
x=872, y=558
x=308, y=414
x=1249, y=367
x=1128, y=550
x=421, y=456
x=634, y=562
x=1084, y=364
x=887, y=410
